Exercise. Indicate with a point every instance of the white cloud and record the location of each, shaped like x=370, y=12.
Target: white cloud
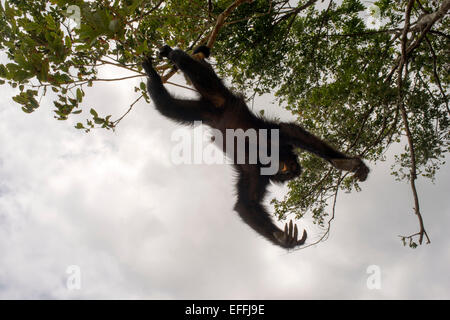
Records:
x=140, y=227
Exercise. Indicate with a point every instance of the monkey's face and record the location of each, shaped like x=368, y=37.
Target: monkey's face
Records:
x=289, y=168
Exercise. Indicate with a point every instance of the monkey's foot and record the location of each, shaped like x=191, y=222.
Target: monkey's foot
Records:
x=204, y=50
x=355, y=165
x=361, y=172
x=289, y=237
x=164, y=51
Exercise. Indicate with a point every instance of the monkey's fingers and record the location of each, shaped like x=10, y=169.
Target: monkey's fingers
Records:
x=303, y=239
x=294, y=240
x=289, y=237
x=147, y=64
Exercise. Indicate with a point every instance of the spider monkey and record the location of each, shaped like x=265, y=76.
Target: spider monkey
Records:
x=221, y=109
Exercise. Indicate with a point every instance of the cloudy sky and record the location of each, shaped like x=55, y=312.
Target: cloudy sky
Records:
x=137, y=226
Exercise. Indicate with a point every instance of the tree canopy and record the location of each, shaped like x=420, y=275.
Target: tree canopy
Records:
x=361, y=75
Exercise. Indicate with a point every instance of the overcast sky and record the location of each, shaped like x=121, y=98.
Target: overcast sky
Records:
x=137, y=226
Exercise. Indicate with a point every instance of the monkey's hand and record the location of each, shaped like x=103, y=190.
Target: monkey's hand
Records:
x=153, y=76
x=147, y=65
x=289, y=237
x=164, y=51
x=355, y=165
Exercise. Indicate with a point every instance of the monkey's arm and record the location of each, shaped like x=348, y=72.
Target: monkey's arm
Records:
x=202, y=76
x=251, y=188
x=295, y=135
x=182, y=111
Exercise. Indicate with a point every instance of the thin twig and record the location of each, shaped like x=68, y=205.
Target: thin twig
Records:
x=438, y=81
x=296, y=10
x=181, y=86
x=269, y=10
x=326, y=234
x=117, y=65
x=116, y=122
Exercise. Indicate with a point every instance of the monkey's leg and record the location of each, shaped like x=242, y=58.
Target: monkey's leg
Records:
x=202, y=76
x=297, y=136
x=251, y=188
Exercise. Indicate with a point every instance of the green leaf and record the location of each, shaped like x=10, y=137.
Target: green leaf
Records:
x=134, y=6
x=51, y=24
x=79, y=95
x=21, y=99
x=94, y=113
x=3, y=71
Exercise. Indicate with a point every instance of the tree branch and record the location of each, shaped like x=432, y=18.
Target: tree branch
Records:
x=221, y=20
x=212, y=37
x=431, y=18
x=413, y=171
x=425, y=27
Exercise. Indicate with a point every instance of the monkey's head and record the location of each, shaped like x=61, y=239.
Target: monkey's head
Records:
x=289, y=167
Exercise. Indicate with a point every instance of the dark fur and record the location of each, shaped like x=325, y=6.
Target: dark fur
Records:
x=219, y=108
